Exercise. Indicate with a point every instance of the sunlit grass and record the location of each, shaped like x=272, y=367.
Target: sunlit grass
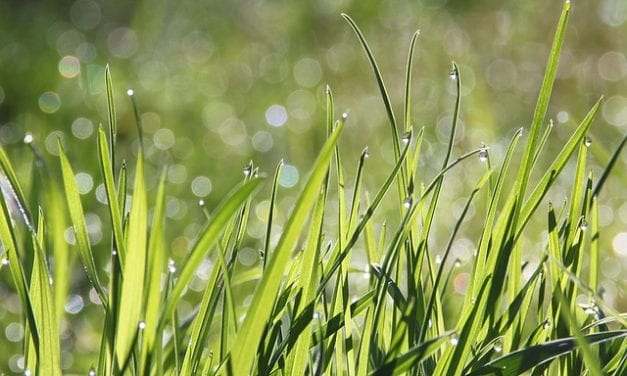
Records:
x=305, y=316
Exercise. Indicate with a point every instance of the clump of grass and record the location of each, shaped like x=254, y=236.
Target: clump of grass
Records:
x=303, y=317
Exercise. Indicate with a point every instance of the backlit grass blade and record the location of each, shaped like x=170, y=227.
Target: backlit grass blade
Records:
x=382, y=89
x=557, y=166
x=106, y=169
x=610, y=165
x=272, y=206
x=207, y=240
x=542, y=103
x=42, y=300
x=132, y=290
x=78, y=223
x=404, y=362
x=155, y=265
x=113, y=125
x=245, y=345
x=520, y=361
x=408, y=80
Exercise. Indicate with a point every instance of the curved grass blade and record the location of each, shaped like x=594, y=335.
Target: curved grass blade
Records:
x=80, y=228
x=244, y=348
x=520, y=361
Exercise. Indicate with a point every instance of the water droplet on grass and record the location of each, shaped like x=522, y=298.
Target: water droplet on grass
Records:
x=5, y=261
x=453, y=74
x=407, y=202
x=28, y=138
x=546, y=324
x=247, y=169
x=201, y=203
x=92, y=371
x=498, y=345
x=483, y=154
x=171, y=266
x=142, y=325
x=458, y=263
x=366, y=153
x=583, y=226
x=587, y=142
x=454, y=340
x=344, y=115
x=130, y=92
x=438, y=259
x=406, y=137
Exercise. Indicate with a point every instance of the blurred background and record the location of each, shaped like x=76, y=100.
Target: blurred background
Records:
x=221, y=83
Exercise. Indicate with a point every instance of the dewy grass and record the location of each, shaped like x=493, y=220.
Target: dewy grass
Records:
x=305, y=316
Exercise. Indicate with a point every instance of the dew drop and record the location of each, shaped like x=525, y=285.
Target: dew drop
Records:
x=27, y=372
x=344, y=115
x=5, y=261
x=458, y=263
x=483, y=154
x=438, y=259
x=407, y=202
x=201, y=203
x=453, y=74
x=546, y=324
x=406, y=137
x=171, y=266
x=366, y=153
x=248, y=169
x=584, y=225
x=262, y=254
x=498, y=345
x=587, y=141
x=130, y=92
x=92, y=371
x=430, y=323
x=454, y=340
x=28, y=138
x=114, y=253
x=142, y=325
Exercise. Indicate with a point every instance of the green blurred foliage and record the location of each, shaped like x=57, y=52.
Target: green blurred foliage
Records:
x=219, y=83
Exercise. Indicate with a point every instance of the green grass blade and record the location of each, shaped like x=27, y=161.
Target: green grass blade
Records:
x=542, y=104
x=275, y=188
x=408, y=80
x=42, y=300
x=80, y=228
x=113, y=125
x=245, y=345
x=155, y=265
x=207, y=240
x=403, y=363
x=523, y=360
x=132, y=289
x=106, y=169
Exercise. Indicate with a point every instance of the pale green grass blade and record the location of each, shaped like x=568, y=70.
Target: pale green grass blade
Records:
x=275, y=187
x=106, y=169
x=75, y=208
x=156, y=260
x=520, y=361
x=245, y=345
x=132, y=290
x=42, y=300
x=207, y=240
x=12, y=185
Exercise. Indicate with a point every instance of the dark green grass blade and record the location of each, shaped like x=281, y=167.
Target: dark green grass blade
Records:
x=520, y=361
x=610, y=166
x=245, y=345
x=80, y=228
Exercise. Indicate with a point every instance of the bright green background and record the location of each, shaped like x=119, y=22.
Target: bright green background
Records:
x=206, y=73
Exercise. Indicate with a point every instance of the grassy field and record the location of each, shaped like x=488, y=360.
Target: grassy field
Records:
x=345, y=277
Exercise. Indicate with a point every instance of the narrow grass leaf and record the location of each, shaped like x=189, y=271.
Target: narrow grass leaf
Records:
x=245, y=345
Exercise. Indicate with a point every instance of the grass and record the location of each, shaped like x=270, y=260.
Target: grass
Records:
x=305, y=316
